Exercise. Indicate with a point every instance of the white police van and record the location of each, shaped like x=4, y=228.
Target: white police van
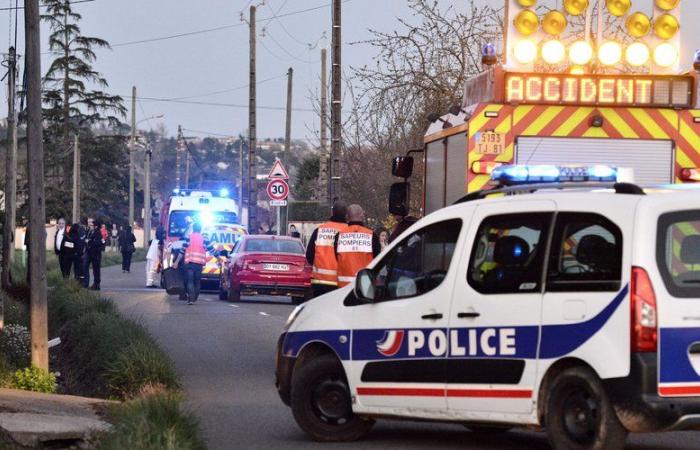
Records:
x=572, y=307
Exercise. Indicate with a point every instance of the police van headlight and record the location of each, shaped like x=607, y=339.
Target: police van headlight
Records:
x=293, y=316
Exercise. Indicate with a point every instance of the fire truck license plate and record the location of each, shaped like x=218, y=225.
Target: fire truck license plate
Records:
x=278, y=267
x=490, y=143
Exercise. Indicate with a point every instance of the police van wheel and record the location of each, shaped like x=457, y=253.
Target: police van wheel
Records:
x=579, y=415
x=321, y=402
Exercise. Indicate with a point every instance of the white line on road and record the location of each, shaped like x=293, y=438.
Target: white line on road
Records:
x=264, y=313
x=233, y=306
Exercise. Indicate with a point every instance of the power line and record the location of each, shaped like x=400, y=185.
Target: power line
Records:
x=12, y=8
x=211, y=133
x=223, y=91
x=226, y=105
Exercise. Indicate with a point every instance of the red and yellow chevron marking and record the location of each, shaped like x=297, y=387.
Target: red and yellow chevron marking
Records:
x=574, y=121
x=478, y=124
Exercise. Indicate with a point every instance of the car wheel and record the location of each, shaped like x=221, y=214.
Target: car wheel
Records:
x=321, y=402
x=297, y=300
x=234, y=295
x=579, y=414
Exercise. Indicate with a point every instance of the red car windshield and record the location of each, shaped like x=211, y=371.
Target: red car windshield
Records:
x=273, y=246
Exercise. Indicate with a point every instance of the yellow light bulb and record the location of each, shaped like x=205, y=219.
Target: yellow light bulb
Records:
x=610, y=53
x=526, y=3
x=526, y=22
x=553, y=52
x=580, y=53
x=525, y=51
x=665, y=55
x=666, y=26
x=637, y=54
x=638, y=25
x=575, y=7
x=667, y=5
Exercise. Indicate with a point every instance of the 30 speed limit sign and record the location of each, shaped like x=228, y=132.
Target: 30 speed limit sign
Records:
x=277, y=189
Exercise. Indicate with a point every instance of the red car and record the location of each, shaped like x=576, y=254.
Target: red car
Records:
x=266, y=265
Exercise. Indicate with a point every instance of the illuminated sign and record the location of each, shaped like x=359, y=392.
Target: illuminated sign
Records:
x=600, y=90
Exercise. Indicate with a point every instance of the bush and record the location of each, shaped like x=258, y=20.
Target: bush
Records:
x=155, y=422
x=15, y=345
x=16, y=312
x=139, y=365
x=34, y=379
x=6, y=371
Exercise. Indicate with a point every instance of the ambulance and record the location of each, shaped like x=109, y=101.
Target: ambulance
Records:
x=218, y=214
x=559, y=300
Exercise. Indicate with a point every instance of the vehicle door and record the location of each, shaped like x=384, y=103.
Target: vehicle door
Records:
x=495, y=316
x=399, y=342
x=678, y=302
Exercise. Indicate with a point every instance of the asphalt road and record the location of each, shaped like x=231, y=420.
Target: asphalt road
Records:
x=224, y=354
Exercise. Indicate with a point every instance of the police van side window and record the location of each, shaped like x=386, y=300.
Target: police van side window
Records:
x=508, y=253
x=586, y=254
x=419, y=263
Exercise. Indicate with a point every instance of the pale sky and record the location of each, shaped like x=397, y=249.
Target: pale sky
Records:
x=215, y=61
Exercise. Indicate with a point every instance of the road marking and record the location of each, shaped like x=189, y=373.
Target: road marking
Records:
x=233, y=306
x=264, y=313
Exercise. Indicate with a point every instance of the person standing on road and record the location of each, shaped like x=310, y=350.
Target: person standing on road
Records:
x=196, y=247
x=127, y=248
x=152, y=260
x=355, y=247
x=114, y=238
x=320, y=252
x=94, y=244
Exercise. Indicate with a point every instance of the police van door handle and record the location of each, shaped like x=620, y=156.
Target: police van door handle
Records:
x=434, y=316
x=468, y=315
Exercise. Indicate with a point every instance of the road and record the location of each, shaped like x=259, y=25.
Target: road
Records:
x=224, y=354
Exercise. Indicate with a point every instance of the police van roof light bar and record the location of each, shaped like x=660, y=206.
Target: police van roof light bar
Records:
x=511, y=175
x=619, y=188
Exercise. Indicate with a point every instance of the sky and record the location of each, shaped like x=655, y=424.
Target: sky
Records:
x=215, y=61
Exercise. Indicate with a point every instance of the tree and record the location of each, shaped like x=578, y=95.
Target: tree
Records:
x=306, y=182
x=75, y=103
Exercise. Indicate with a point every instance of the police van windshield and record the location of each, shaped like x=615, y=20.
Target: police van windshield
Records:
x=180, y=220
x=273, y=246
x=678, y=253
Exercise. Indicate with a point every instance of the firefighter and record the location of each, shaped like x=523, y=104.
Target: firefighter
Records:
x=196, y=247
x=355, y=247
x=321, y=254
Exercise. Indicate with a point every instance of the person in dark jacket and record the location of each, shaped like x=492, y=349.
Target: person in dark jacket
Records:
x=126, y=246
x=76, y=236
x=94, y=244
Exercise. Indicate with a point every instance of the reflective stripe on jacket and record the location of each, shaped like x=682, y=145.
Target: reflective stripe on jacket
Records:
x=325, y=267
x=196, y=252
x=354, y=252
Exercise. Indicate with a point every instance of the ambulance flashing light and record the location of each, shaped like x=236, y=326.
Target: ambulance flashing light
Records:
x=510, y=175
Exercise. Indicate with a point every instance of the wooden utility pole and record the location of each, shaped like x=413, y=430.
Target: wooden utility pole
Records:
x=324, y=169
x=284, y=210
x=252, y=133
x=35, y=175
x=132, y=143
x=336, y=110
x=8, y=242
x=240, y=180
x=178, y=156
x=187, y=165
x=76, y=180
x=147, y=197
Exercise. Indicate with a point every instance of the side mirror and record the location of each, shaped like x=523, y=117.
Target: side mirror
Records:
x=399, y=199
x=402, y=166
x=364, y=286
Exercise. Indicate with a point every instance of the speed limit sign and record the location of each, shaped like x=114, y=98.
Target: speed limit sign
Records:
x=277, y=189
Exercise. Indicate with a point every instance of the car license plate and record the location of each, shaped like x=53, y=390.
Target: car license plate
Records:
x=278, y=267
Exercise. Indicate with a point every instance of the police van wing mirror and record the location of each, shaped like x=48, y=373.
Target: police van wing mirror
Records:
x=364, y=286
x=399, y=199
x=402, y=166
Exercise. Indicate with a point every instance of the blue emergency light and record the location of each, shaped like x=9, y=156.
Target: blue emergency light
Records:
x=510, y=175
x=223, y=192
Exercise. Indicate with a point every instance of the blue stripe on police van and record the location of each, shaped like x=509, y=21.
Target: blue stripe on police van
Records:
x=515, y=342
x=674, y=356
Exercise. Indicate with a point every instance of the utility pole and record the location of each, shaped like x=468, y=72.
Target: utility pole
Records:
x=336, y=110
x=252, y=133
x=178, y=156
x=147, y=197
x=35, y=173
x=324, y=169
x=76, y=180
x=187, y=166
x=132, y=143
x=240, y=180
x=8, y=250
x=283, y=211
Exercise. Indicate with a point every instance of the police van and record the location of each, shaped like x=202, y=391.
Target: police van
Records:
x=573, y=307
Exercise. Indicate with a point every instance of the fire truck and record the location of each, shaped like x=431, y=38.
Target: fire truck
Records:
x=556, y=97
x=218, y=214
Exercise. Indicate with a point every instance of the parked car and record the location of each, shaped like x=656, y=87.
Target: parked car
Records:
x=266, y=265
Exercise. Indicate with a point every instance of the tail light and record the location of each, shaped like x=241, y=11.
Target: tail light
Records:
x=248, y=264
x=644, y=317
x=692, y=174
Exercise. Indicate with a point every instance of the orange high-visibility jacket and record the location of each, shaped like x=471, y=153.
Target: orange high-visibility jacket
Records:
x=325, y=267
x=196, y=251
x=354, y=252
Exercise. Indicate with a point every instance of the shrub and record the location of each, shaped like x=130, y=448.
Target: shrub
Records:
x=34, y=379
x=6, y=371
x=16, y=312
x=155, y=422
x=15, y=345
x=139, y=365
